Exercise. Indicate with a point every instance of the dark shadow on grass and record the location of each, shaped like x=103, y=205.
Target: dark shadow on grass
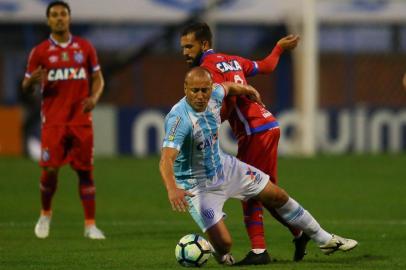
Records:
x=336, y=260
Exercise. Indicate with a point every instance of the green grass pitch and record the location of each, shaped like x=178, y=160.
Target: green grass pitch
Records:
x=363, y=197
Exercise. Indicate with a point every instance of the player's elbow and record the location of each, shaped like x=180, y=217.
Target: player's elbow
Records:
x=266, y=68
x=26, y=87
x=101, y=83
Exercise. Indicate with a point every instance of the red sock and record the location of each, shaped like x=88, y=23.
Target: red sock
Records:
x=87, y=192
x=48, y=186
x=254, y=223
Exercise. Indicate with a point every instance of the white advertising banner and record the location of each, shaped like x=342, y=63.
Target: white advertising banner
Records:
x=237, y=11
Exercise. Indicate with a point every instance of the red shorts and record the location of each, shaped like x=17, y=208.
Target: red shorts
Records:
x=67, y=144
x=261, y=151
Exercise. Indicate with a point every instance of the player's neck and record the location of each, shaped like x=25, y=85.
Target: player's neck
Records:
x=61, y=37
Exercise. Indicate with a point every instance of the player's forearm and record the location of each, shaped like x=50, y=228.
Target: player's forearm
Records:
x=167, y=173
x=235, y=89
x=97, y=87
x=269, y=63
x=28, y=86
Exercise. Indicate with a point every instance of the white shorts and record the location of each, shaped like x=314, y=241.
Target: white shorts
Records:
x=240, y=181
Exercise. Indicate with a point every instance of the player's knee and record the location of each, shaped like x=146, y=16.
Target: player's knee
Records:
x=48, y=180
x=85, y=177
x=273, y=196
x=51, y=171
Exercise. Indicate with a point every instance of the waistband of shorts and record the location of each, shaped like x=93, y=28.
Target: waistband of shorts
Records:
x=264, y=127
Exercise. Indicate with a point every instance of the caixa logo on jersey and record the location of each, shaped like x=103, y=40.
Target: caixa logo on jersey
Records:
x=228, y=66
x=63, y=74
x=207, y=142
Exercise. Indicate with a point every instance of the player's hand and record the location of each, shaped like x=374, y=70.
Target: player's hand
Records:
x=89, y=104
x=255, y=96
x=177, y=199
x=38, y=75
x=289, y=42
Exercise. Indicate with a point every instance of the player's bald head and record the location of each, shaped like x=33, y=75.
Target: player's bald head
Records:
x=198, y=88
x=197, y=74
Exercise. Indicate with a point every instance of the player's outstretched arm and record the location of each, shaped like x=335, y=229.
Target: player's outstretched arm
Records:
x=176, y=195
x=289, y=42
x=269, y=63
x=97, y=90
x=235, y=89
x=36, y=78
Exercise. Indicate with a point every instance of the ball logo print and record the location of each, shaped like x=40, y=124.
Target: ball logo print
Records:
x=192, y=250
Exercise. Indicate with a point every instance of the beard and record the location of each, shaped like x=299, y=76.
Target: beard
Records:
x=196, y=60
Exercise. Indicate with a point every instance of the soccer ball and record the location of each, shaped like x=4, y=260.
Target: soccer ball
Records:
x=192, y=251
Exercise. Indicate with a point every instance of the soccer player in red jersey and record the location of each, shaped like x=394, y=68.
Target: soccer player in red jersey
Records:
x=64, y=66
x=255, y=128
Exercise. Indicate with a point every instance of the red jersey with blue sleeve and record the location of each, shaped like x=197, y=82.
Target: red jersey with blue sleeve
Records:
x=244, y=115
x=68, y=69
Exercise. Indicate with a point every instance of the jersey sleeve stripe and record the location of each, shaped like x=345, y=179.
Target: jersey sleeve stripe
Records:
x=171, y=145
x=254, y=70
x=96, y=68
x=27, y=75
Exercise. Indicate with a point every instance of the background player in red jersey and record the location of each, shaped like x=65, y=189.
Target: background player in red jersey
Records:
x=404, y=81
x=255, y=128
x=63, y=66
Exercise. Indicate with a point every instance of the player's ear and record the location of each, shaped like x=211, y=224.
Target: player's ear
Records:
x=205, y=45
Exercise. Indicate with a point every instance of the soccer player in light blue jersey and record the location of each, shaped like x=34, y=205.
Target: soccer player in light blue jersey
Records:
x=199, y=177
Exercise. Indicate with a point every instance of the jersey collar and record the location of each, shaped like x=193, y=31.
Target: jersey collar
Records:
x=205, y=54
x=62, y=45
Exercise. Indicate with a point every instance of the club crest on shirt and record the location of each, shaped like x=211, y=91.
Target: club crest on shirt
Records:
x=78, y=56
x=45, y=155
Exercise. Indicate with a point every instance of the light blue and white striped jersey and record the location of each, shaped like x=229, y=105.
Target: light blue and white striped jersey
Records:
x=195, y=136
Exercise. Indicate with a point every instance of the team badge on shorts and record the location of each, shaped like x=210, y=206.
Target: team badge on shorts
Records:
x=45, y=155
x=254, y=176
x=208, y=213
x=251, y=173
x=78, y=56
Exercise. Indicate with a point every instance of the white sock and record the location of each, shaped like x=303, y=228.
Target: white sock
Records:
x=258, y=250
x=294, y=214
